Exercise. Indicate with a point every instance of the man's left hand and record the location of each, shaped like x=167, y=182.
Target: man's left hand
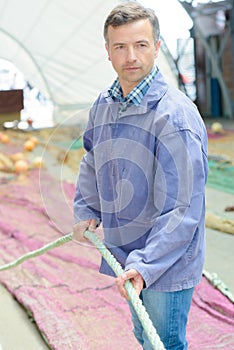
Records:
x=135, y=277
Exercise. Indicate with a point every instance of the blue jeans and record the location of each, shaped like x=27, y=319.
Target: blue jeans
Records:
x=169, y=313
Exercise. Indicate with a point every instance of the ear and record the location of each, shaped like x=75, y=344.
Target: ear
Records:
x=107, y=49
x=157, y=47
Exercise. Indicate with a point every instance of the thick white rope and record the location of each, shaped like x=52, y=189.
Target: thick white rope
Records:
x=40, y=251
x=134, y=298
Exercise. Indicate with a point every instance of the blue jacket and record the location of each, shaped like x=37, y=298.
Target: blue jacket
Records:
x=143, y=177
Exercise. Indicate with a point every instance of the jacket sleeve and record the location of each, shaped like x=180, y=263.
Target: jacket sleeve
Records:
x=86, y=201
x=179, y=186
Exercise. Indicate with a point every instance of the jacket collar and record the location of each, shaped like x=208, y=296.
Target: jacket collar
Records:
x=154, y=94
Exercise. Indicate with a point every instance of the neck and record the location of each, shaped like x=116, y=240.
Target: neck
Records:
x=126, y=88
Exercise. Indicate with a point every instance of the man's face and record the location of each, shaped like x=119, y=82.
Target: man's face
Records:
x=132, y=52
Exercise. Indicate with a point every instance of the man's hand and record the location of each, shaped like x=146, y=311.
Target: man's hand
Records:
x=81, y=227
x=135, y=277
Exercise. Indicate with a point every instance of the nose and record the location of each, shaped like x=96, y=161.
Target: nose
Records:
x=131, y=55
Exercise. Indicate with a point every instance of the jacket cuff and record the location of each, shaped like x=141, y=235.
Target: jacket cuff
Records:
x=86, y=216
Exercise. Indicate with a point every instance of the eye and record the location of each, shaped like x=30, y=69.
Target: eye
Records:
x=119, y=47
x=142, y=45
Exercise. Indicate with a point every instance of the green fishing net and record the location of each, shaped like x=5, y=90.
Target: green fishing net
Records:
x=221, y=175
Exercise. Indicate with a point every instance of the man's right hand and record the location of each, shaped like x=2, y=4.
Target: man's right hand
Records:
x=81, y=227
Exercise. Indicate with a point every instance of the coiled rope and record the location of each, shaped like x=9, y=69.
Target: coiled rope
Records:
x=116, y=267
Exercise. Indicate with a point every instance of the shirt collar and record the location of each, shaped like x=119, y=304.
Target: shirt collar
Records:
x=136, y=95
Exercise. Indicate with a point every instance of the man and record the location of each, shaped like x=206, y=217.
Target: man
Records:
x=143, y=177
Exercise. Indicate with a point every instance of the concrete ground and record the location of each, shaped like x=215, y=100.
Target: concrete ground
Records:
x=219, y=245
x=220, y=257
x=17, y=331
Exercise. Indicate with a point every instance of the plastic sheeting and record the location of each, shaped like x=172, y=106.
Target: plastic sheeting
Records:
x=60, y=48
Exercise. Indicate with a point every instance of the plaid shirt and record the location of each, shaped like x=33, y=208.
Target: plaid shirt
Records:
x=136, y=95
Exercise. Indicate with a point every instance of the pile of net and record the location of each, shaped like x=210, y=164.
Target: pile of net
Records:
x=73, y=305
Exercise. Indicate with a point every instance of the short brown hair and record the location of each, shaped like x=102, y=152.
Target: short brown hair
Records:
x=131, y=12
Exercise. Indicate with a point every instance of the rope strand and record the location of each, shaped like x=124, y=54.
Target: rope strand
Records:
x=58, y=242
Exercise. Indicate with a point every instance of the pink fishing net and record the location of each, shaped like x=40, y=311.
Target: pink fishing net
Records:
x=73, y=305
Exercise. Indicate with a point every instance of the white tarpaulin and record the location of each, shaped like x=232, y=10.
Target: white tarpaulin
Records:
x=59, y=47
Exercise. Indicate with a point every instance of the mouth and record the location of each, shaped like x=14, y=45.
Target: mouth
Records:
x=131, y=69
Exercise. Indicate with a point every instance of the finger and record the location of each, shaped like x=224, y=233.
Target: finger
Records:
x=123, y=293
x=120, y=282
x=99, y=231
x=79, y=229
x=92, y=225
x=79, y=237
x=138, y=288
x=129, y=274
x=125, y=277
x=136, y=279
